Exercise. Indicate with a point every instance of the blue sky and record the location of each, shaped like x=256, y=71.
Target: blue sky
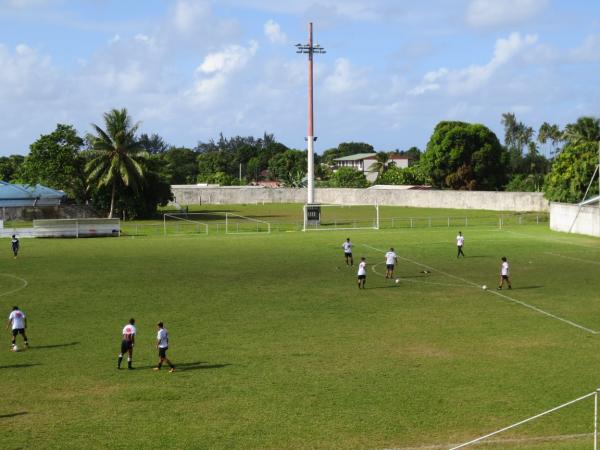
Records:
x=190, y=69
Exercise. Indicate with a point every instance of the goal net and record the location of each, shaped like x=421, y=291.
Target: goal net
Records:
x=76, y=227
x=341, y=217
x=236, y=224
x=186, y=223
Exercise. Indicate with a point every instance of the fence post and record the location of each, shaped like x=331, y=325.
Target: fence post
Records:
x=596, y=420
x=411, y=222
x=448, y=222
x=466, y=222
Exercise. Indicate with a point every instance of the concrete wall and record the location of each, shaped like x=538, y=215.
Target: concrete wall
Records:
x=495, y=201
x=563, y=216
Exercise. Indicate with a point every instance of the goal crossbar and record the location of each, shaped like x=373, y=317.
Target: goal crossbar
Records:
x=258, y=222
x=374, y=222
x=184, y=219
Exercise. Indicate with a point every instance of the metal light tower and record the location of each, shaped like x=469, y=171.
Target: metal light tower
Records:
x=310, y=49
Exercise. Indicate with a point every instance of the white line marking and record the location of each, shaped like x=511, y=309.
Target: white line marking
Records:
x=519, y=302
x=414, y=281
x=587, y=261
x=22, y=280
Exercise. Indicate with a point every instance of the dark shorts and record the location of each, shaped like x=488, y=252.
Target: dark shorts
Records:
x=162, y=352
x=125, y=345
x=362, y=277
x=18, y=331
x=505, y=277
x=389, y=266
x=348, y=254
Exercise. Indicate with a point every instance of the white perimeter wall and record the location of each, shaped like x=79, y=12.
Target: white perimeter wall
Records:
x=562, y=216
x=496, y=201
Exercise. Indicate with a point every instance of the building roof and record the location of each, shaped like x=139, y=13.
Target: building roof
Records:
x=26, y=195
x=356, y=157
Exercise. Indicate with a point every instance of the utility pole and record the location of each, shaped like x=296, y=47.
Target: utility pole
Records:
x=310, y=49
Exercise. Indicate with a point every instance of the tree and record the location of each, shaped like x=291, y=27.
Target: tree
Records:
x=550, y=133
x=460, y=155
x=54, y=160
x=117, y=157
x=180, y=165
x=288, y=167
x=153, y=144
x=10, y=167
x=585, y=131
x=346, y=149
x=412, y=175
x=380, y=165
x=347, y=177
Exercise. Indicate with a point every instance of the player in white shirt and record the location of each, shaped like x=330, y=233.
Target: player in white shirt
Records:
x=460, y=241
x=362, y=273
x=18, y=323
x=162, y=344
x=347, y=246
x=127, y=344
x=504, y=273
x=391, y=259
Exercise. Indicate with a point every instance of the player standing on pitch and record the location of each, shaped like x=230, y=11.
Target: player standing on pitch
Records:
x=162, y=344
x=504, y=274
x=362, y=273
x=18, y=321
x=391, y=259
x=127, y=344
x=15, y=245
x=460, y=241
x=347, y=246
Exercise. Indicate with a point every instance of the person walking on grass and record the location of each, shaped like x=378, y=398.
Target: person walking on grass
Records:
x=362, y=273
x=460, y=241
x=347, y=246
x=15, y=245
x=391, y=259
x=504, y=274
x=127, y=344
x=162, y=344
x=18, y=322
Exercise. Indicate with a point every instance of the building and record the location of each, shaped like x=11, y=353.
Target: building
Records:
x=20, y=195
x=365, y=163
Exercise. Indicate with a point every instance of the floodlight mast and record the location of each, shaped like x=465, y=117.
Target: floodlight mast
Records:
x=310, y=49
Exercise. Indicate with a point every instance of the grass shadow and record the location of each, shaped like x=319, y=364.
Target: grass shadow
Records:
x=19, y=366
x=39, y=347
x=182, y=367
x=523, y=287
x=6, y=416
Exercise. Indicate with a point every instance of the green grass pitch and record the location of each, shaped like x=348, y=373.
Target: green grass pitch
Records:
x=277, y=348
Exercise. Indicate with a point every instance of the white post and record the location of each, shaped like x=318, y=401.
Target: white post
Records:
x=165, y=225
x=77, y=228
x=596, y=420
x=305, y=219
x=377, y=211
x=311, y=170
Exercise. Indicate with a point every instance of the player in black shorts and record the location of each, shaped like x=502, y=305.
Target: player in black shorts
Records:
x=127, y=344
x=15, y=245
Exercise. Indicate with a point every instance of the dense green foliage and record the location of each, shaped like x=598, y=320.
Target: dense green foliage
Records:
x=571, y=173
x=346, y=177
x=413, y=175
x=460, y=155
x=292, y=355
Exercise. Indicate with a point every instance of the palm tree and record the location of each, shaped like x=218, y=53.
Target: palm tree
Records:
x=585, y=131
x=380, y=165
x=116, y=154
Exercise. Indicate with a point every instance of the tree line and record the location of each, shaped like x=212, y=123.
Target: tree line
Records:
x=124, y=173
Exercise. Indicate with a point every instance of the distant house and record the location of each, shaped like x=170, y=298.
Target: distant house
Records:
x=364, y=162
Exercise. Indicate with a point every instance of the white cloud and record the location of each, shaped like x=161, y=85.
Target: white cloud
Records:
x=471, y=78
x=273, y=32
x=345, y=77
x=230, y=59
x=189, y=15
x=490, y=13
x=588, y=51
x=22, y=4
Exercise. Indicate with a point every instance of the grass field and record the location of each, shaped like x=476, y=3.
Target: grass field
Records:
x=277, y=348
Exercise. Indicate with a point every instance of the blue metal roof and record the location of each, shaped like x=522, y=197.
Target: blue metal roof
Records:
x=26, y=195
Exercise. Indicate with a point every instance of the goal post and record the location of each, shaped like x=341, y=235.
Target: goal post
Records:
x=342, y=217
x=237, y=224
x=185, y=225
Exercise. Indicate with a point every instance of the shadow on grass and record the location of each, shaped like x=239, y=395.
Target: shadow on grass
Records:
x=522, y=287
x=19, y=366
x=40, y=347
x=6, y=416
x=197, y=365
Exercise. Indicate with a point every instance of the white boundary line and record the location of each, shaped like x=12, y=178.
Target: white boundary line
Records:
x=506, y=297
x=22, y=280
x=587, y=261
x=414, y=281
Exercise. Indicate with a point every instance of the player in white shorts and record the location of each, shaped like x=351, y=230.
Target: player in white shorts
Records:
x=127, y=344
x=18, y=322
x=504, y=274
x=162, y=344
x=391, y=259
x=460, y=241
x=347, y=246
x=362, y=273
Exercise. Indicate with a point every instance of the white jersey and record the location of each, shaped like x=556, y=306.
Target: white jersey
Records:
x=347, y=246
x=390, y=258
x=129, y=331
x=504, y=268
x=460, y=240
x=362, y=268
x=163, y=338
x=17, y=317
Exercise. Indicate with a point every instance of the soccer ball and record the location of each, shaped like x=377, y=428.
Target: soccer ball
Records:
x=15, y=348
x=484, y=287
x=397, y=280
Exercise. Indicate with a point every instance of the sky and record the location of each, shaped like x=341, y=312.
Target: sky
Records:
x=191, y=69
